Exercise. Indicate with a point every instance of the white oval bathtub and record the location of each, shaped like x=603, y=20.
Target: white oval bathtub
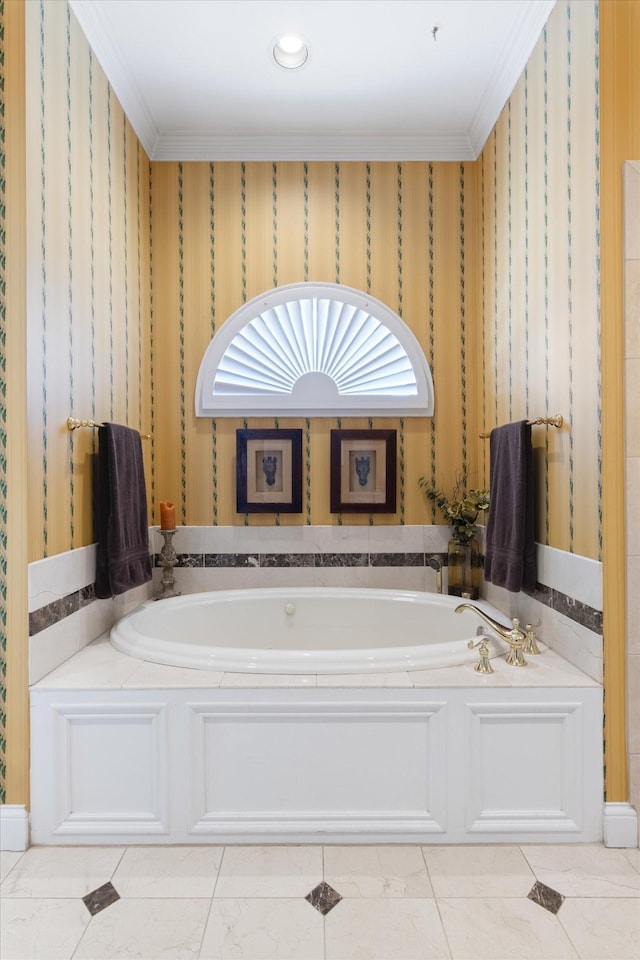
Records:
x=303, y=630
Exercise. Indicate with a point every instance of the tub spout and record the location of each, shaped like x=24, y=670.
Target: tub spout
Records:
x=505, y=632
x=436, y=564
x=514, y=636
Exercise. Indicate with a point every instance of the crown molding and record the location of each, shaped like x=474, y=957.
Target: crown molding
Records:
x=194, y=146
x=102, y=42
x=524, y=37
x=191, y=145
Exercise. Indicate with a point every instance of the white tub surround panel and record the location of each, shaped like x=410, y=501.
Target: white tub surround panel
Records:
x=345, y=765
x=221, y=558
x=54, y=644
x=54, y=578
x=64, y=614
x=574, y=576
x=568, y=604
x=51, y=643
x=119, y=755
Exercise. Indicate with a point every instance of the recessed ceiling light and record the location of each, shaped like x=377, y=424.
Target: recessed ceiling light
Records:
x=290, y=51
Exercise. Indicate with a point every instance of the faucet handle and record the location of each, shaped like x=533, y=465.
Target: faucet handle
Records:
x=516, y=633
x=483, y=665
x=530, y=645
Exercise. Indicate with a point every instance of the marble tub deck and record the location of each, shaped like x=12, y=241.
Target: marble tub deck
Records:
x=99, y=666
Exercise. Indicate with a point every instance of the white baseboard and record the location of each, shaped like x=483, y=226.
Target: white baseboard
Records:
x=14, y=827
x=620, y=825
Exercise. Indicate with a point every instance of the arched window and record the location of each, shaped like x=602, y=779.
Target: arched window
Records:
x=314, y=349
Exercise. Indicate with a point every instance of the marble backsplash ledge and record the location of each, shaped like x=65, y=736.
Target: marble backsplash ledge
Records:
x=569, y=598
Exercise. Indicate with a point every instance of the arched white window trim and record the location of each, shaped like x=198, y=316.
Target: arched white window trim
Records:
x=314, y=349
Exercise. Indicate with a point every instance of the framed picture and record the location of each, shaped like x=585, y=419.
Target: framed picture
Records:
x=363, y=471
x=269, y=471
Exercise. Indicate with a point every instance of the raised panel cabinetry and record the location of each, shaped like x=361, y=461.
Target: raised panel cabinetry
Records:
x=339, y=765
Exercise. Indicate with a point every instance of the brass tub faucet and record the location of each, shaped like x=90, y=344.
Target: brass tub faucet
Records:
x=514, y=636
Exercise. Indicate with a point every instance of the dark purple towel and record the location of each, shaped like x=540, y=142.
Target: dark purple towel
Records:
x=510, y=553
x=122, y=530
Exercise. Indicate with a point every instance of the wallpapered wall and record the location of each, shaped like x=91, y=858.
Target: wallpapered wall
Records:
x=513, y=235
x=88, y=273
x=224, y=232
x=513, y=238
x=541, y=267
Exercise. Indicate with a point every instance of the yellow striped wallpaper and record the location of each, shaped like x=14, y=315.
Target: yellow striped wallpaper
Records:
x=225, y=232
x=88, y=273
x=133, y=266
x=541, y=274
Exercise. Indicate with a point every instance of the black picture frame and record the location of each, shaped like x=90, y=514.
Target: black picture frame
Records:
x=269, y=471
x=363, y=471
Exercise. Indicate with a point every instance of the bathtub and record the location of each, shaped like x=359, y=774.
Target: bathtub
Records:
x=318, y=630
x=126, y=752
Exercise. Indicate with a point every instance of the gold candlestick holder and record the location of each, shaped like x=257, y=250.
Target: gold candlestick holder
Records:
x=168, y=560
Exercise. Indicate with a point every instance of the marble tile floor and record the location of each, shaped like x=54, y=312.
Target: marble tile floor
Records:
x=308, y=902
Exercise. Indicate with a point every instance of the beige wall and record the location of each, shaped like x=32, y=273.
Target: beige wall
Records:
x=14, y=707
x=632, y=464
x=620, y=141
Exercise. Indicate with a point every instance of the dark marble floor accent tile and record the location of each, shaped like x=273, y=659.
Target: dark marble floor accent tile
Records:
x=287, y=560
x=396, y=559
x=103, y=897
x=546, y=897
x=231, y=560
x=324, y=898
x=342, y=560
x=578, y=612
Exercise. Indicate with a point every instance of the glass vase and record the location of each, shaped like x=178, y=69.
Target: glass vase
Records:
x=463, y=561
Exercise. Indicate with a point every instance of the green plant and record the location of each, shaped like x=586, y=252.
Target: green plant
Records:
x=462, y=509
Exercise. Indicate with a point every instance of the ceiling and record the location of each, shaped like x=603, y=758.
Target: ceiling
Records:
x=384, y=80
